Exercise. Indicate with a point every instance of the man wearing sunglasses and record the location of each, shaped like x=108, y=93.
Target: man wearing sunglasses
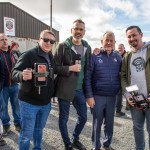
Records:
x=34, y=95
x=72, y=59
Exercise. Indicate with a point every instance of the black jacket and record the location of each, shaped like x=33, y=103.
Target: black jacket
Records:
x=67, y=81
x=7, y=62
x=28, y=91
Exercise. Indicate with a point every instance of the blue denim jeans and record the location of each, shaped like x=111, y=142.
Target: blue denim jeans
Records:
x=1, y=106
x=33, y=121
x=10, y=92
x=103, y=112
x=79, y=103
x=138, y=117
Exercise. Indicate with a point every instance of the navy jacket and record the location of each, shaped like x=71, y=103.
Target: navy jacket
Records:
x=103, y=75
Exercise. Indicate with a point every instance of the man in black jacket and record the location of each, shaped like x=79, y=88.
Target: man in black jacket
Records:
x=2, y=76
x=72, y=59
x=10, y=88
x=34, y=71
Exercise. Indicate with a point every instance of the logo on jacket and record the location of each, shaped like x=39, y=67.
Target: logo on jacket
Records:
x=100, y=60
x=115, y=60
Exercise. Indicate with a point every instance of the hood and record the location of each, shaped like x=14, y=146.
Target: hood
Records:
x=68, y=42
x=145, y=45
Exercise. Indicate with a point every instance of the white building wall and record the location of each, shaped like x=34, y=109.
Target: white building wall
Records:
x=25, y=44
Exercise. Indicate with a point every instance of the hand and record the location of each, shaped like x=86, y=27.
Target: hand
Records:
x=96, y=51
x=75, y=68
x=91, y=102
x=27, y=74
x=130, y=101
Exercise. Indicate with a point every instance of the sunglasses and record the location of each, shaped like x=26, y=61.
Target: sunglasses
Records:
x=46, y=40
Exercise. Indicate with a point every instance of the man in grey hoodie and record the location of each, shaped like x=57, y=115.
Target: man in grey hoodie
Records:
x=136, y=71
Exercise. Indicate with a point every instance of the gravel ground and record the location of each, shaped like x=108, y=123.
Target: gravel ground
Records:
x=122, y=139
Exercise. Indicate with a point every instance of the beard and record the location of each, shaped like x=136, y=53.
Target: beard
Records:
x=134, y=44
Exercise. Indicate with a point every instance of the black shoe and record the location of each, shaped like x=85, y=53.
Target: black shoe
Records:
x=77, y=144
x=18, y=127
x=2, y=142
x=108, y=148
x=68, y=147
x=6, y=129
x=120, y=114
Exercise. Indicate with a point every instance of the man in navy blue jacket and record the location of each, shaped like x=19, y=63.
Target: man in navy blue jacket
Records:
x=10, y=88
x=101, y=85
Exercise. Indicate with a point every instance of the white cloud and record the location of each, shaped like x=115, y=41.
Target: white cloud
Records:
x=145, y=9
x=127, y=6
x=99, y=16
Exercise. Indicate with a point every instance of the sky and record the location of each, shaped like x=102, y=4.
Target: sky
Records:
x=99, y=16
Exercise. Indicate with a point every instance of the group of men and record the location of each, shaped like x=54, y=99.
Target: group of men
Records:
x=81, y=77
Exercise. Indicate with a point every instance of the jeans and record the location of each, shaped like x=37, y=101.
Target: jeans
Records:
x=79, y=103
x=1, y=106
x=10, y=92
x=33, y=121
x=138, y=117
x=119, y=99
x=103, y=112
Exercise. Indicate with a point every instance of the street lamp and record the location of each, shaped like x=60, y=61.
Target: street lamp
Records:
x=51, y=15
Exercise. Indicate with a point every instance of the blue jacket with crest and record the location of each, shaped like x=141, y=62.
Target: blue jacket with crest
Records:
x=103, y=75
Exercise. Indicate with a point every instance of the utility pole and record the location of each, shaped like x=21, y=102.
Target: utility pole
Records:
x=51, y=15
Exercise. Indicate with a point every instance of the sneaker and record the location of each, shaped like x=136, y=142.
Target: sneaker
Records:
x=120, y=114
x=68, y=147
x=95, y=149
x=18, y=127
x=6, y=129
x=77, y=144
x=2, y=142
x=108, y=148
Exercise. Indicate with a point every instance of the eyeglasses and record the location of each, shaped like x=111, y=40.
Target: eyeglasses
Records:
x=46, y=40
x=80, y=29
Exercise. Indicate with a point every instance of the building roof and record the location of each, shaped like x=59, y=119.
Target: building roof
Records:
x=26, y=25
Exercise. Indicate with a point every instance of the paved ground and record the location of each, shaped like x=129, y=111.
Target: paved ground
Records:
x=123, y=134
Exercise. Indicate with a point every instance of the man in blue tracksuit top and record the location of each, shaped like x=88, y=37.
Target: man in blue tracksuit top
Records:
x=101, y=85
